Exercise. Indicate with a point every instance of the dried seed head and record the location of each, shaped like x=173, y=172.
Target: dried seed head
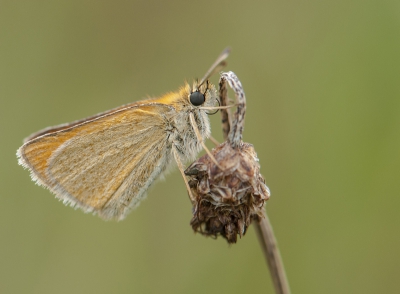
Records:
x=227, y=199
x=227, y=189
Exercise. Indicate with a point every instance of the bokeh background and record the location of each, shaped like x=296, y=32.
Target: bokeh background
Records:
x=322, y=79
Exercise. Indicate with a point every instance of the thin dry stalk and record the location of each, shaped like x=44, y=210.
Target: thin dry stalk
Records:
x=272, y=255
x=263, y=226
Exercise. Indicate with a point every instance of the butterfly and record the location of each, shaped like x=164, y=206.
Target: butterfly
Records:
x=104, y=164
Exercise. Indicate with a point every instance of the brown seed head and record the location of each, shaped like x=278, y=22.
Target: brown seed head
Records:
x=227, y=199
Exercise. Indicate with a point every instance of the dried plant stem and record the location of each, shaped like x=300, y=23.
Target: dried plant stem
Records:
x=272, y=255
x=232, y=132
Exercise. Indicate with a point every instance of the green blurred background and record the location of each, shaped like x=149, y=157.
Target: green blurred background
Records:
x=322, y=80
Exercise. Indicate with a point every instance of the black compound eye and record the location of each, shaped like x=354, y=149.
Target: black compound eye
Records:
x=197, y=98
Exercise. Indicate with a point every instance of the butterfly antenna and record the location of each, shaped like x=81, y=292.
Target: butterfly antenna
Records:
x=219, y=64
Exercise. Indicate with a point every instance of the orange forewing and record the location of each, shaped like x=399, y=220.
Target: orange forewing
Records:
x=104, y=163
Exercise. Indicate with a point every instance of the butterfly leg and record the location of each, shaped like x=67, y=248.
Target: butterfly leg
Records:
x=212, y=139
x=197, y=132
x=181, y=169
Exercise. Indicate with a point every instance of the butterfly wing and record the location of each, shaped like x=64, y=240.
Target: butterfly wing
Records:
x=61, y=127
x=106, y=164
